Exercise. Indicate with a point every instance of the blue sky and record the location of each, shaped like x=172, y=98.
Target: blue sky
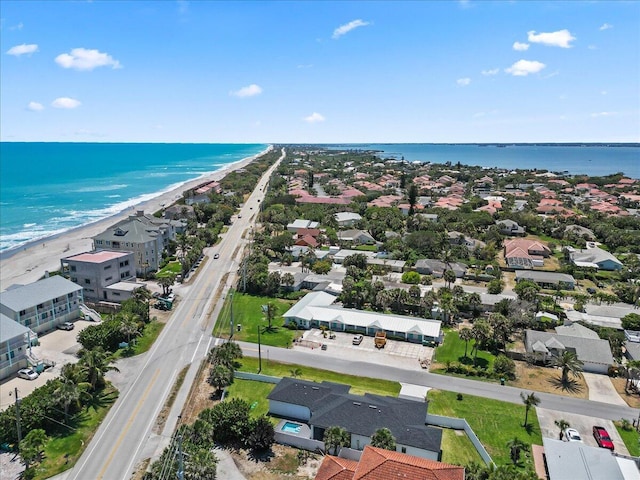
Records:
x=320, y=72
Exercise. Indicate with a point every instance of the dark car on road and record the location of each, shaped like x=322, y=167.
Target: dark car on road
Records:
x=602, y=437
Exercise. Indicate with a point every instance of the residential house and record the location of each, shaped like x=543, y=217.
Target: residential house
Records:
x=315, y=310
x=42, y=305
x=550, y=280
x=347, y=219
x=105, y=275
x=202, y=193
x=432, y=217
x=436, y=268
x=510, y=228
x=179, y=212
x=306, y=241
x=301, y=223
x=578, y=461
x=387, y=264
x=579, y=231
x=14, y=346
x=525, y=253
x=323, y=405
x=144, y=235
x=340, y=255
x=356, y=237
x=595, y=257
x=594, y=352
x=377, y=463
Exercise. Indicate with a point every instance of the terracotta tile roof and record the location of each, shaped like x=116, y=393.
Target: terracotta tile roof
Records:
x=336, y=468
x=379, y=464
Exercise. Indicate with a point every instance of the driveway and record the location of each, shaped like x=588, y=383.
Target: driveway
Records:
x=57, y=346
x=601, y=389
x=583, y=424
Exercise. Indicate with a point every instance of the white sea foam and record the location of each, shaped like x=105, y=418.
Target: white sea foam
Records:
x=101, y=188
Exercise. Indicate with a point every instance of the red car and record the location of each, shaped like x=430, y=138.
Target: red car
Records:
x=602, y=437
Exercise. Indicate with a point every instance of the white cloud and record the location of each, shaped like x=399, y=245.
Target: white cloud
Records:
x=347, y=27
x=20, y=25
x=65, y=102
x=248, y=91
x=463, y=82
x=605, y=26
x=592, y=47
x=561, y=38
x=23, y=49
x=85, y=59
x=522, y=68
x=520, y=47
x=603, y=92
x=602, y=114
x=493, y=71
x=315, y=117
x=35, y=106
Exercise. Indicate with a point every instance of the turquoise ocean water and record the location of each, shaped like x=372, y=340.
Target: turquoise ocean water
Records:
x=49, y=188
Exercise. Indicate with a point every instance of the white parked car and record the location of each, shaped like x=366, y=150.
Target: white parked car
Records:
x=27, y=374
x=572, y=435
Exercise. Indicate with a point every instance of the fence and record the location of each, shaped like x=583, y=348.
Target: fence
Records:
x=461, y=424
x=303, y=443
x=258, y=377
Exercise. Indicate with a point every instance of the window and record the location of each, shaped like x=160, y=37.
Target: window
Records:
x=22, y=312
x=125, y=274
x=74, y=279
x=108, y=278
x=116, y=294
x=87, y=281
x=404, y=449
x=73, y=268
x=70, y=295
x=40, y=306
x=107, y=267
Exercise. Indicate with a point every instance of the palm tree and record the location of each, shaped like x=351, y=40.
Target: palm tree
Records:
x=569, y=363
x=562, y=424
x=295, y=372
x=466, y=334
x=529, y=401
x=633, y=365
x=270, y=311
x=383, y=438
x=481, y=332
x=66, y=394
x=288, y=279
x=32, y=446
x=220, y=377
x=449, y=277
x=225, y=354
x=143, y=295
x=166, y=282
x=516, y=446
x=334, y=438
x=94, y=364
x=129, y=325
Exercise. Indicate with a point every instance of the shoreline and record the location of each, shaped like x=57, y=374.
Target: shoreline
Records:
x=29, y=262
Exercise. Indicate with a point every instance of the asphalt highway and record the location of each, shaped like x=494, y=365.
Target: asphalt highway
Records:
x=117, y=445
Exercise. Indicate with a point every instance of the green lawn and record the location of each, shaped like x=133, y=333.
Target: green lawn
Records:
x=359, y=385
x=452, y=350
x=247, y=312
x=253, y=392
x=367, y=248
x=172, y=267
x=494, y=422
x=61, y=452
x=631, y=439
x=457, y=449
x=144, y=342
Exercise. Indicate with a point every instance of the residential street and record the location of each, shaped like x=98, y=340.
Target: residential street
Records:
x=326, y=360
x=124, y=434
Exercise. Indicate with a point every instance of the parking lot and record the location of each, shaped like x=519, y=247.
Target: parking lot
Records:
x=58, y=347
x=395, y=352
x=582, y=424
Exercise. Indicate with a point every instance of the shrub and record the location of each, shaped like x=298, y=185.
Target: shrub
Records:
x=505, y=367
x=412, y=278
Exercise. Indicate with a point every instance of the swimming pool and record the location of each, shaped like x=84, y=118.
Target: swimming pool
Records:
x=290, y=427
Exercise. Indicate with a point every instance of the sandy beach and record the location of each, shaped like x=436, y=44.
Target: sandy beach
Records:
x=30, y=263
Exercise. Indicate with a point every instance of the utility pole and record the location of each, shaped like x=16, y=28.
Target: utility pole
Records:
x=259, y=352
x=231, y=321
x=180, y=459
x=18, y=417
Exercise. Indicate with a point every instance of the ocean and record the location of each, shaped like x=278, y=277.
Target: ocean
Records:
x=49, y=188
x=592, y=160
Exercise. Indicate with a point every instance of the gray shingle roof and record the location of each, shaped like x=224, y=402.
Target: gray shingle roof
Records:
x=547, y=277
x=10, y=329
x=302, y=392
x=577, y=461
x=587, y=349
x=26, y=296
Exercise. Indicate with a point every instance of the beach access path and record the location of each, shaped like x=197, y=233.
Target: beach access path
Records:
x=30, y=263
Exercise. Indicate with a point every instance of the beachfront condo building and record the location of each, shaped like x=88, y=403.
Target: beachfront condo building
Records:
x=144, y=235
x=104, y=275
x=42, y=305
x=14, y=346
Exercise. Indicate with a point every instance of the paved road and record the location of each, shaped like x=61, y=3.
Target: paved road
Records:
x=454, y=384
x=123, y=435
